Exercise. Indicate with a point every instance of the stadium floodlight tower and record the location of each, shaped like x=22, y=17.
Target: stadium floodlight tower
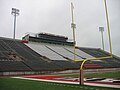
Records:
x=101, y=29
x=15, y=12
x=73, y=26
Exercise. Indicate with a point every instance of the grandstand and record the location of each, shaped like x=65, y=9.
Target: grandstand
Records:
x=45, y=53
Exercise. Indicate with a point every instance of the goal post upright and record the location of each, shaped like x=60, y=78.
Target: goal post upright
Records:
x=73, y=26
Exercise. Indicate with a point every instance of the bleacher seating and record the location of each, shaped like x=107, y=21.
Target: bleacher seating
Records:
x=66, y=64
x=30, y=58
x=16, y=56
x=92, y=66
x=108, y=63
x=15, y=66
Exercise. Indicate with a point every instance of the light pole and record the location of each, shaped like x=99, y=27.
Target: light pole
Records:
x=73, y=26
x=101, y=29
x=14, y=12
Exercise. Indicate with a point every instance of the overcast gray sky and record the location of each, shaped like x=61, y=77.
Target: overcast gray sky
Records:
x=54, y=16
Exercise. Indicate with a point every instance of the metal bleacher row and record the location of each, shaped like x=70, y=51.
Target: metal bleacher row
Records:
x=111, y=62
x=30, y=60
x=16, y=56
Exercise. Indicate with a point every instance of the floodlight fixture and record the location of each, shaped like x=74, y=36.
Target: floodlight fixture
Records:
x=15, y=11
x=101, y=29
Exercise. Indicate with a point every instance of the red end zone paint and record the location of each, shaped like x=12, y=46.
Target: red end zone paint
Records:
x=50, y=77
x=44, y=77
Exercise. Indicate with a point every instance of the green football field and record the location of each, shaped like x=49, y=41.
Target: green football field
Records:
x=20, y=84
x=7, y=83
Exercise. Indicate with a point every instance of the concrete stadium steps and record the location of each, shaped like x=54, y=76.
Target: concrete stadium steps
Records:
x=43, y=50
x=79, y=53
x=60, y=50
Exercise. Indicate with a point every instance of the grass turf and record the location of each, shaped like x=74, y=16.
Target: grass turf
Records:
x=104, y=74
x=19, y=84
